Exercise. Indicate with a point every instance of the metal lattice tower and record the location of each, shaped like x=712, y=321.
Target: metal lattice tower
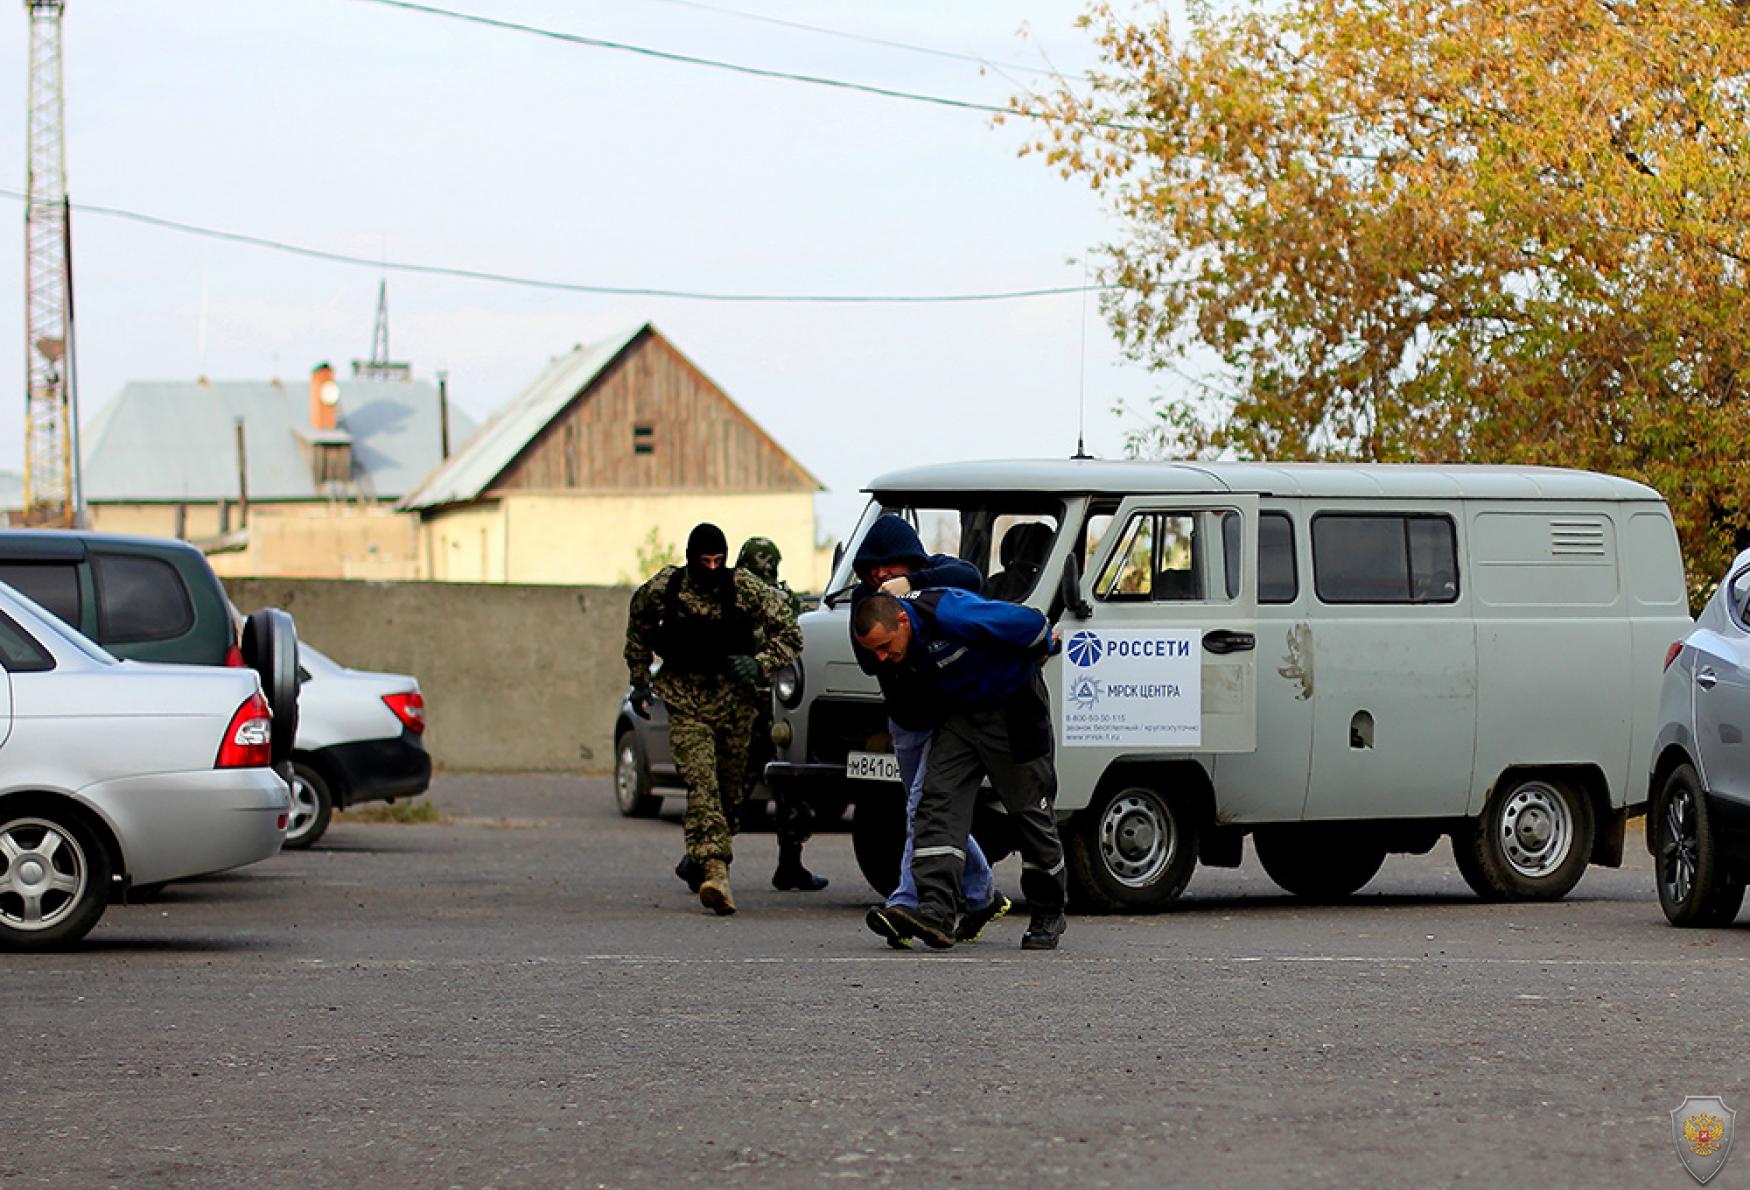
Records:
x=50, y=486
x=379, y=366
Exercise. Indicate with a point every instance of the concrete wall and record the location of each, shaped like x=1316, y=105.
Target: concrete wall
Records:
x=516, y=678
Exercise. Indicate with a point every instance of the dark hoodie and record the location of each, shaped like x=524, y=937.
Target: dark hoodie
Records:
x=911, y=703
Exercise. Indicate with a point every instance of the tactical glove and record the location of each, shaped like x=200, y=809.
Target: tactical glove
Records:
x=745, y=669
x=641, y=698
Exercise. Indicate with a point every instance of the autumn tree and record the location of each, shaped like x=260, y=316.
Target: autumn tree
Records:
x=1493, y=231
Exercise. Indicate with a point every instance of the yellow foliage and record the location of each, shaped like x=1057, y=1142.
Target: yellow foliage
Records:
x=1437, y=230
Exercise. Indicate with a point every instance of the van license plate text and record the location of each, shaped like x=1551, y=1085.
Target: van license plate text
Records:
x=872, y=766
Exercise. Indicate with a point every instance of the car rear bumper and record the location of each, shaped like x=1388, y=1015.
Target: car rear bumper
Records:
x=372, y=770
x=175, y=825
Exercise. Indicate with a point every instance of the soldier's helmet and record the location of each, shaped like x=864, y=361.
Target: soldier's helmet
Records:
x=760, y=556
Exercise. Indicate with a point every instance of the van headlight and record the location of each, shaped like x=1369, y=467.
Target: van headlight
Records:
x=787, y=685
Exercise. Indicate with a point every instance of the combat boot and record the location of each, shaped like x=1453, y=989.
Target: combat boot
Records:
x=791, y=876
x=714, y=889
x=1044, y=931
x=691, y=871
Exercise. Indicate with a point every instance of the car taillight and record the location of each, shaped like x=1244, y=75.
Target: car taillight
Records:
x=409, y=708
x=1671, y=653
x=248, y=742
x=234, y=657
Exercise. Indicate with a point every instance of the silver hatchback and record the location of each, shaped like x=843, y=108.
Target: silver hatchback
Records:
x=1698, y=824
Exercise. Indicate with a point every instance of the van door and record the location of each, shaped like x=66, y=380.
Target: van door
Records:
x=1166, y=659
x=1395, y=665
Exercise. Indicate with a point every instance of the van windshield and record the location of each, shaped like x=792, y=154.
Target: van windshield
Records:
x=1007, y=535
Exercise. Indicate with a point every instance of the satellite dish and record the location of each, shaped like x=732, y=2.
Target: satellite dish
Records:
x=330, y=393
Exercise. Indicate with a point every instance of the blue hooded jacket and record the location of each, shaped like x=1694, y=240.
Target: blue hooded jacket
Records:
x=976, y=653
x=891, y=540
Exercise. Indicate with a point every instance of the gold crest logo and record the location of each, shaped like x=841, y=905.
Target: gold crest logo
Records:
x=1701, y=1127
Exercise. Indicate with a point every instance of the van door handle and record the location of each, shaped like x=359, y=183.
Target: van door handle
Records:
x=1226, y=640
x=1707, y=679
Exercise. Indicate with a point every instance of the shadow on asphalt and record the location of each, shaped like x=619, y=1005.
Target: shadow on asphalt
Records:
x=106, y=945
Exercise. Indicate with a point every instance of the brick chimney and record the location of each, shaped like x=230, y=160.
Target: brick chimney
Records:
x=322, y=412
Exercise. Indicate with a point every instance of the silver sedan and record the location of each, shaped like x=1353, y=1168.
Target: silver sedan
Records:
x=1698, y=820
x=120, y=773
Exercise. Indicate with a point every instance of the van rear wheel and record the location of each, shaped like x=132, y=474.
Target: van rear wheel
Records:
x=1532, y=843
x=1132, y=850
x=1318, y=863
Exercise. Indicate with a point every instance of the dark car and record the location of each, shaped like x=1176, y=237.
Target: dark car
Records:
x=142, y=598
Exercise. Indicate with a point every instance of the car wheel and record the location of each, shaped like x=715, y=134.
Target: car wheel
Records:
x=54, y=879
x=1532, y=843
x=632, y=778
x=312, y=807
x=1131, y=850
x=878, y=838
x=1319, y=863
x=1693, y=890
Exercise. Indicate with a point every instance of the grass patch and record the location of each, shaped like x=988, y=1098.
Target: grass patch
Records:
x=398, y=812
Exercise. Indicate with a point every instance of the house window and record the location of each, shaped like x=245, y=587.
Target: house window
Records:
x=643, y=440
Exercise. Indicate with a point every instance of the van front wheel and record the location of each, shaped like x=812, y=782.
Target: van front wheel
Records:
x=1532, y=843
x=1132, y=851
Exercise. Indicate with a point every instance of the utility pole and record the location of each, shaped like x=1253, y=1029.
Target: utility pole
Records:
x=50, y=487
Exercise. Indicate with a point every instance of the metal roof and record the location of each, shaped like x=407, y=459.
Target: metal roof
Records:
x=166, y=441
x=1321, y=480
x=502, y=438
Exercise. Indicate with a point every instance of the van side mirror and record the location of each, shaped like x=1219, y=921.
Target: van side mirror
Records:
x=1069, y=592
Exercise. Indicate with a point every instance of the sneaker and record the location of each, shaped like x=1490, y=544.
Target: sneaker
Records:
x=973, y=921
x=914, y=924
x=1044, y=931
x=691, y=871
x=878, y=922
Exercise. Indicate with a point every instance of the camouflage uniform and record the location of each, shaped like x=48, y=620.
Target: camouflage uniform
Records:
x=710, y=714
x=794, y=815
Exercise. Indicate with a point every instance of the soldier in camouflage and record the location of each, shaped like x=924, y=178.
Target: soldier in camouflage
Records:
x=720, y=634
x=795, y=817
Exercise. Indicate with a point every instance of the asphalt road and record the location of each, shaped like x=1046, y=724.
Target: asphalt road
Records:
x=526, y=996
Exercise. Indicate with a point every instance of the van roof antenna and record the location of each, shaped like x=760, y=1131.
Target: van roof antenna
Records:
x=1082, y=379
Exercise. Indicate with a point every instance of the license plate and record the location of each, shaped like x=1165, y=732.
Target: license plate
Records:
x=872, y=766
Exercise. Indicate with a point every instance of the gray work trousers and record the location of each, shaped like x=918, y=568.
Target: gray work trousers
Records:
x=970, y=746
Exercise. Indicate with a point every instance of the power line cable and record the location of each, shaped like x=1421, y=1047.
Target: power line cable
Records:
x=738, y=68
x=846, y=35
x=433, y=270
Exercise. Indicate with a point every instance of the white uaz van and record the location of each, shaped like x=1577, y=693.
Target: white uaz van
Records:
x=1341, y=661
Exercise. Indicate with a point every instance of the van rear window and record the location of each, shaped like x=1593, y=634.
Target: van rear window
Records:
x=1393, y=558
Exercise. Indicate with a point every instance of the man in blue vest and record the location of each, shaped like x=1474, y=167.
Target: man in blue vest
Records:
x=892, y=559
x=982, y=659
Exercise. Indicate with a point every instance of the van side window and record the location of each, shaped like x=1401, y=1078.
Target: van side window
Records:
x=1278, y=579
x=1167, y=556
x=1398, y=558
x=139, y=599
x=53, y=585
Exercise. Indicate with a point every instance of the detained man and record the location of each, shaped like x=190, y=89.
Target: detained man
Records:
x=892, y=559
x=982, y=660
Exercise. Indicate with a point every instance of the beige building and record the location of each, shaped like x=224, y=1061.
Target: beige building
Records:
x=291, y=480
x=597, y=471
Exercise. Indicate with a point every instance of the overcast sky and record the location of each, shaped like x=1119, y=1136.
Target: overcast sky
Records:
x=343, y=125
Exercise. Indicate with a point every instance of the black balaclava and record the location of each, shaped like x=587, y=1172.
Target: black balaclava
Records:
x=707, y=538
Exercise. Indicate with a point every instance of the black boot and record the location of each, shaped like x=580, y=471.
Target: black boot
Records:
x=1044, y=931
x=692, y=871
x=791, y=876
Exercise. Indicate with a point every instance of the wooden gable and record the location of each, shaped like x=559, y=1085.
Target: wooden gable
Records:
x=652, y=421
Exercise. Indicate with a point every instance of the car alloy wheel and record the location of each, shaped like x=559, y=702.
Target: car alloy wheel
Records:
x=43, y=874
x=1681, y=845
